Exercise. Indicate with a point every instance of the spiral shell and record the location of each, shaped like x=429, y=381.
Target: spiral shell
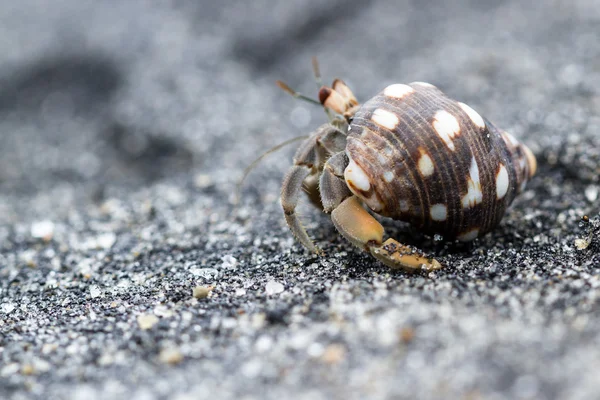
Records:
x=419, y=156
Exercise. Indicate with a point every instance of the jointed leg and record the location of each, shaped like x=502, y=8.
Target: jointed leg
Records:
x=311, y=188
x=290, y=192
x=308, y=163
x=333, y=186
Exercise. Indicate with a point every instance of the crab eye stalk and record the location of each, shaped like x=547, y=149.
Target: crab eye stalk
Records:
x=332, y=100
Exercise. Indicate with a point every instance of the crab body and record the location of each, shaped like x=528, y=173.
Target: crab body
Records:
x=410, y=153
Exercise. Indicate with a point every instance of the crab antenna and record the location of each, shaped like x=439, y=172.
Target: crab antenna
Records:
x=317, y=74
x=283, y=86
x=249, y=168
x=317, y=71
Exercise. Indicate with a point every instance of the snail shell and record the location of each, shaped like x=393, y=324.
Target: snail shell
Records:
x=419, y=156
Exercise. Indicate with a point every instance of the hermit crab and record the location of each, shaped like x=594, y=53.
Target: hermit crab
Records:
x=410, y=153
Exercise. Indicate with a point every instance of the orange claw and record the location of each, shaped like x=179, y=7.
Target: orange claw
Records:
x=359, y=227
x=356, y=224
x=396, y=255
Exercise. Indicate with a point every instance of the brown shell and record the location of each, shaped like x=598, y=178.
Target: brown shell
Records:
x=423, y=154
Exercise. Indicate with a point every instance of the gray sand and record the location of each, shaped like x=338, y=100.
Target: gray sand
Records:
x=125, y=125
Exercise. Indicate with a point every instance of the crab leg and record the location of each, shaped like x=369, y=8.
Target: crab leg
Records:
x=290, y=191
x=333, y=188
x=308, y=162
x=364, y=231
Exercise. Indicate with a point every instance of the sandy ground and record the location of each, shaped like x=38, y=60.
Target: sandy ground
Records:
x=125, y=126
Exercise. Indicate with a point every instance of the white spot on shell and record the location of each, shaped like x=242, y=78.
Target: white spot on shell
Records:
x=469, y=235
x=446, y=126
x=388, y=151
x=474, y=194
x=438, y=212
x=425, y=164
x=404, y=206
x=388, y=176
x=475, y=117
x=356, y=176
x=501, y=182
x=357, y=179
x=385, y=118
x=398, y=90
x=382, y=160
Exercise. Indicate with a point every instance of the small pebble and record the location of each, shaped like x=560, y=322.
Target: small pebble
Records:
x=27, y=369
x=591, y=193
x=9, y=369
x=274, y=287
x=334, y=354
x=106, y=240
x=147, y=321
x=171, y=356
x=407, y=335
x=43, y=230
x=95, y=291
x=7, y=308
x=202, y=181
x=201, y=292
x=582, y=244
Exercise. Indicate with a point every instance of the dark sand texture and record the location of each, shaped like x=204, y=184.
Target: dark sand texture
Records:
x=124, y=126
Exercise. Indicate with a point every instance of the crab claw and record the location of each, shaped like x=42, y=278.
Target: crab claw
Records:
x=360, y=228
x=396, y=255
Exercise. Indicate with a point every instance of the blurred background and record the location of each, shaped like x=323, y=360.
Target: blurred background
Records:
x=102, y=95
x=125, y=125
